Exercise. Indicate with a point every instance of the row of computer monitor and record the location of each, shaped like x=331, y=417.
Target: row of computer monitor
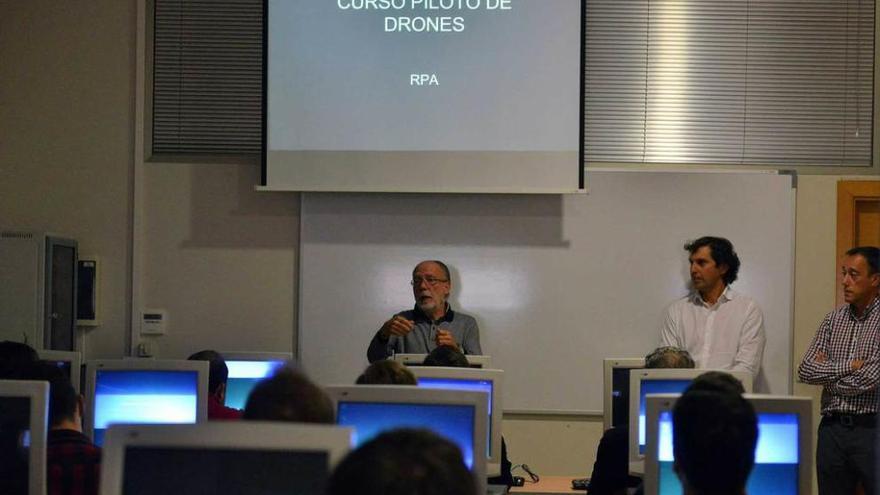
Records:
x=642, y=399
x=465, y=408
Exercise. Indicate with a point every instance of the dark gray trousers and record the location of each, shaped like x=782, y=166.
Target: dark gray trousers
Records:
x=844, y=457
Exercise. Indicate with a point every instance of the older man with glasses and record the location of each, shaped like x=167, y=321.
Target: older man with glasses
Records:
x=431, y=323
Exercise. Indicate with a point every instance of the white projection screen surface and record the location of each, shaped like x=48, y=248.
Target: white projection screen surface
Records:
x=424, y=96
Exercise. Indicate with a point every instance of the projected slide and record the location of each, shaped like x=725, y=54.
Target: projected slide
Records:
x=456, y=423
x=776, y=456
x=455, y=95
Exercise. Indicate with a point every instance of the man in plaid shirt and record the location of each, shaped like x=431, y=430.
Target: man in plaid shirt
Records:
x=844, y=358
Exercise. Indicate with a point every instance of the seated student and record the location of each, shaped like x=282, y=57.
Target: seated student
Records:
x=611, y=469
x=714, y=434
x=386, y=372
x=453, y=358
x=403, y=462
x=14, y=356
x=218, y=374
x=446, y=356
x=288, y=395
x=73, y=462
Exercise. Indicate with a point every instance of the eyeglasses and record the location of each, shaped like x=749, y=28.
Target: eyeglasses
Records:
x=428, y=280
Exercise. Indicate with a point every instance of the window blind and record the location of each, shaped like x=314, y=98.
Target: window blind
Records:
x=769, y=82
x=207, y=76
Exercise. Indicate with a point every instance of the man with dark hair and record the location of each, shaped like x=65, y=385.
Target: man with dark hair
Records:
x=386, y=372
x=73, y=462
x=844, y=358
x=718, y=381
x=431, y=323
x=15, y=356
x=446, y=356
x=218, y=375
x=404, y=462
x=288, y=395
x=714, y=434
x=721, y=328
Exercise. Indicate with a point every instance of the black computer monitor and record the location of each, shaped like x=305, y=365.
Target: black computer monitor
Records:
x=24, y=412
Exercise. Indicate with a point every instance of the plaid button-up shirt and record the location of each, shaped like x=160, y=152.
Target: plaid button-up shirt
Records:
x=844, y=338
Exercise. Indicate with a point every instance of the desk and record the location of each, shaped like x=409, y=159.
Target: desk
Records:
x=547, y=485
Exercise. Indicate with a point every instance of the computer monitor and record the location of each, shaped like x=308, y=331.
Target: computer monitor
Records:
x=616, y=390
x=489, y=382
x=143, y=391
x=24, y=417
x=475, y=360
x=70, y=362
x=242, y=457
x=783, y=456
x=461, y=417
x=246, y=369
x=660, y=381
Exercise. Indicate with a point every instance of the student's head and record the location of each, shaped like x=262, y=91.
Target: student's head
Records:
x=403, y=462
x=717, y=381
x=712, y=261
x=446, y=356
x=714, y=434
x=669, y=357
x=288, y=395
x=386, y=372
x=14, y=356
x=218, y=372
x=65, y=405
x=431, y=284
x=861, y=275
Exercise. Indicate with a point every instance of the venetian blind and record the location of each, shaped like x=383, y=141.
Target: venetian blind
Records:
x=207, y=76
x=729, y=81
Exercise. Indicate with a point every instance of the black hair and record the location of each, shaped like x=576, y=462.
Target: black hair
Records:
x=62, y=396
x=669, y=357
x=15, y=357
x=218, y=372
x=289, y=395
x=439, y=263
x=717, y=381
x=722, y=253
x=714, y=434
x=386, y=372
x=871, y=255
x=404, y=462
x=446, y=356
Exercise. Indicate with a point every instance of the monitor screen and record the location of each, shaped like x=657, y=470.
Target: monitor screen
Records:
x=620, y=397
x=63, y=365
x=144, y=397
x=475, y=385
x=15, y=418
x=776, y=456
x=238, y=471
x=455, y=422
x=243, y=377
x=665, y=386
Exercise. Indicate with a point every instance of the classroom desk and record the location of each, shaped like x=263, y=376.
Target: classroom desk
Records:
x=547, y=485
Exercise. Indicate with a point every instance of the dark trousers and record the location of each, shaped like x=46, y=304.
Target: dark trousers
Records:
x=845, y=456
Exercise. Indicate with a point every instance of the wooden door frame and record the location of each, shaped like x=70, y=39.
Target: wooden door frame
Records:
x=849, y=193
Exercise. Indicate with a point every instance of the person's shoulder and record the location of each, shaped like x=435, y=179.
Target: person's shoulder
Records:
x=409, y=314
x=464, y=318
x=681, y=302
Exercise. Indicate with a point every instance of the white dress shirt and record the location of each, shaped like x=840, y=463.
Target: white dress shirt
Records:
x=728, y=335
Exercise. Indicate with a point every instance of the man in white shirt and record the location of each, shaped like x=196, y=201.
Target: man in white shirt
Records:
x=721, y=328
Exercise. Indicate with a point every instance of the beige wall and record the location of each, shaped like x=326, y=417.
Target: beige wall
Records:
x=66, y=134
x=220, y=258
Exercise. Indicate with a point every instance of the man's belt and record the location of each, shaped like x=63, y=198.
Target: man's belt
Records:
x=850, y=420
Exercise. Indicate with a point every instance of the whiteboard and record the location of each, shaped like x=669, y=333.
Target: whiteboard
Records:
x=556, y=282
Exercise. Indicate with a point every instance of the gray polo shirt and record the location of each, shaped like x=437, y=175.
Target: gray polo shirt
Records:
x=421, y=340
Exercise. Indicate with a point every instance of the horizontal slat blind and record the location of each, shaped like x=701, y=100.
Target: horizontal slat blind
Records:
x=767, y=82
x=207, y=76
